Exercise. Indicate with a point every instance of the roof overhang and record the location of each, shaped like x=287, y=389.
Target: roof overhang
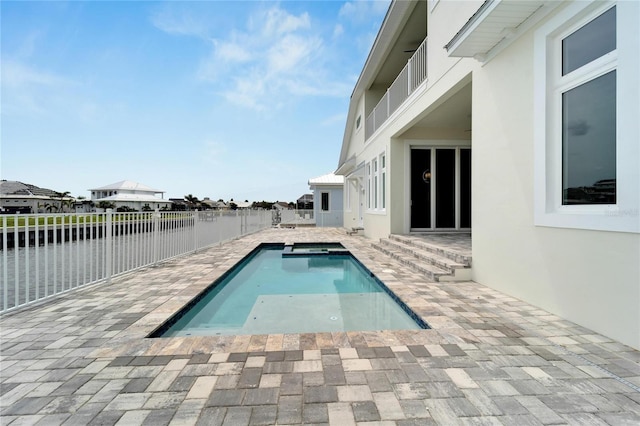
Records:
x=496, y=24
x=346, y=167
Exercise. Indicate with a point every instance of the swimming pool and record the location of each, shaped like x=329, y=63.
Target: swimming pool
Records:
x=293, y=289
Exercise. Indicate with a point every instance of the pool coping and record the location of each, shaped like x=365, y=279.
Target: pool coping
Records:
x=441, y=331
x=158, y=332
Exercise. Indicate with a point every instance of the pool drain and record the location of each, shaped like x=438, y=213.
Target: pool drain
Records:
x=333, y=318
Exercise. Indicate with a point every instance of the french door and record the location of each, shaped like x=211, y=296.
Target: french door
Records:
x=440, y=180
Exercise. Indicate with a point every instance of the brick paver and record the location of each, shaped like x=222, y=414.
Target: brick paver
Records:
x=84, y=358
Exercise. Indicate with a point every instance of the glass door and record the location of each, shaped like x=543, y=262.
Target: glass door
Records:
x=440, y=181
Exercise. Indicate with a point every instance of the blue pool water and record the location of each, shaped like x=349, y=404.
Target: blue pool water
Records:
x=299, y=289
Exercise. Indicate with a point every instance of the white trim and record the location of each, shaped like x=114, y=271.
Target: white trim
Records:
x=548, y=208
x=375, y=191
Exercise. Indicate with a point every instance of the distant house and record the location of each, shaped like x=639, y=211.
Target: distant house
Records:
x=305, y=202
x=281, y=205
x=242, y=204
x=130, y=194
x=18, y=197
x=327, y=199
x=220, y=205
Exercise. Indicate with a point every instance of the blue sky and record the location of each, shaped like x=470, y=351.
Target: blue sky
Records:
x=219, y=99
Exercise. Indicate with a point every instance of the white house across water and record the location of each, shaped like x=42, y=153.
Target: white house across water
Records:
x=130, y=194
x=516, y=121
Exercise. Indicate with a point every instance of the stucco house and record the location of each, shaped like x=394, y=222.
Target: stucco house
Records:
x=517, y=122
x=19, y=197
x=130, y=194
x=327, y=199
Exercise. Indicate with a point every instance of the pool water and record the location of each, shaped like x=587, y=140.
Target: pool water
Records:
x=319, y=289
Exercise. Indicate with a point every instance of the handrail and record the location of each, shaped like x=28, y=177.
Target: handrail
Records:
x=407, y=81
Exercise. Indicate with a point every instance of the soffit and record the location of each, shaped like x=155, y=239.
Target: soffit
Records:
x=494, y=22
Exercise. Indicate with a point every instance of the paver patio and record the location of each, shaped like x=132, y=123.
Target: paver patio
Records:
x=489, y=359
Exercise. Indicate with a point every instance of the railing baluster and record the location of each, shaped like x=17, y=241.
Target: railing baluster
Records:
x=5, y=266
x=16, y=262
x=37, y=256
x=26, y=259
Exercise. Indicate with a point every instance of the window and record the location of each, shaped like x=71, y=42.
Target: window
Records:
x=383, y=168
x=586, y=92
x=368, y=176
x=589, y=113
x=375, y=183
x=376, y=174
x=324, y=201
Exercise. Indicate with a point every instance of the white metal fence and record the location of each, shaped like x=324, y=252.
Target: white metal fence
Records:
x=333, y=218
x=47, y=254
x=409, y=79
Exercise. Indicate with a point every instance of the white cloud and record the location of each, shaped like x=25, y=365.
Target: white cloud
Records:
x=361, y=11
x=277, y=56
x=231, y=51
x=17, y=74
x=278, y=22
x=291, y=53
x=179, y=22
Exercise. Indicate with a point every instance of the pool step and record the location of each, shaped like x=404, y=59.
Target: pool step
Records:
x=434, y=262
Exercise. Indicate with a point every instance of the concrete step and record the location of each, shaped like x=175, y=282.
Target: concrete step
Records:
x=442, y=262
x=430, y=271
x=421, y=244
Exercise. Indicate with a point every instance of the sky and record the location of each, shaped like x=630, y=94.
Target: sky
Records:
x=243, y=100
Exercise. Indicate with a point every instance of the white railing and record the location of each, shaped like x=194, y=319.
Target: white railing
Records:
x=409, y=79
x=47, y=254
x=333, y=218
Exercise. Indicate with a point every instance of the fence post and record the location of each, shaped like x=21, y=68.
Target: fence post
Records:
x=156, y=230
x=195, y=231
x=109, y=243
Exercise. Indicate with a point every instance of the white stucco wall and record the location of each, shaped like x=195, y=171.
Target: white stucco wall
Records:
x=589, y=277
x=334, y=216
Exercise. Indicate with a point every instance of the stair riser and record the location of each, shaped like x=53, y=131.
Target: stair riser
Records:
x=456, y=257
x=422, y=257
x=410, y=264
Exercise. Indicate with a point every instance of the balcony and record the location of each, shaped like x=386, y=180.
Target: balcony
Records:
x=409, y=79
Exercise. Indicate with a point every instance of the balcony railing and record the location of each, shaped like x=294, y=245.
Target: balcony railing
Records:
x=42, y=255
x=409, y=79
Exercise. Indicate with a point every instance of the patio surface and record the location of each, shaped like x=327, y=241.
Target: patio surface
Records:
x=489, y=359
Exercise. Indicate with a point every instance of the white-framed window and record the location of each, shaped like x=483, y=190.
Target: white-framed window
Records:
x=383, y=181
x=376, y=174
x=375, y=183
x=586, y=91
x=324, y=201
x=368, y=177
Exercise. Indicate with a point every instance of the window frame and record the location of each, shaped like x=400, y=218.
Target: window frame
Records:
x=376, y=175
x=322, y=201
x=549, y=84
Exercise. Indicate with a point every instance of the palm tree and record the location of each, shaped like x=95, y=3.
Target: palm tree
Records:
x=64, y=198
x=192, y=201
